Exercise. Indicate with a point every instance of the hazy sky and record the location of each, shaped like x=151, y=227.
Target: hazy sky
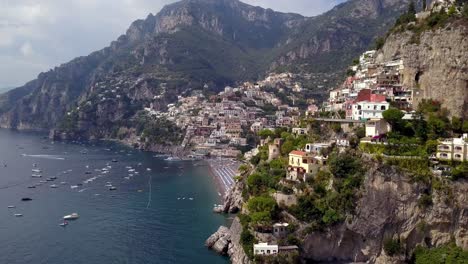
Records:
x=36, y=35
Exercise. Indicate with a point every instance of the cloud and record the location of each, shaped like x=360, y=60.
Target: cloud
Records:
x=36, y=35
x=27, y=49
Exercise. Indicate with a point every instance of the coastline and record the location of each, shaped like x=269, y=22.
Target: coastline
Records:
x=223, y=171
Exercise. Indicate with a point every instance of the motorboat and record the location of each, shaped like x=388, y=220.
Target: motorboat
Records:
x=108, y=185
x=112, y=188
x=53, y=177
x=74, y=186
x=114, y=160
x=148, y=169
x=32, y=187
x=64, y=224
x=72, y=216
x=18, y=215
x=36, y=170
x=25, y=199
x=11, y=206
x=88, y=172
x=36, y=175
x=172, y=158
x=54, y=186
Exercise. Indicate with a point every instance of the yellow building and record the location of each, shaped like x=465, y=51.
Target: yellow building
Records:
x=301, y=164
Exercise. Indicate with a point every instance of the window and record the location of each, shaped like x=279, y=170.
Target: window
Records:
x=458, y=156
x=383, y=108
x=458, y=148
x=268, y=251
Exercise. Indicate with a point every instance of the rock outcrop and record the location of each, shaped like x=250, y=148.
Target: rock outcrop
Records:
x=233, y=200
x=436, y=64
x=226, y=241
x=388, y=209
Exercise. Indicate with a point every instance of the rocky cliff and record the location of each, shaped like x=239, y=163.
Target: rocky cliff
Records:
x=388, y=209
x=192, y=44
x=436, y=64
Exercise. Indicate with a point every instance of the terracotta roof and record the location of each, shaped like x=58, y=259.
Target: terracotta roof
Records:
x=298, y=153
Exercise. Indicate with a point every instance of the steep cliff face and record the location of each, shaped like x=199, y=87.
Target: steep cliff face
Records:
x=436, y=64
x=388, y=209
x=185, y=46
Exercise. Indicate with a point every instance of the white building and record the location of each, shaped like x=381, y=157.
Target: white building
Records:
x=453, y=149
x=369, y=110
x=265, y=249
x=376, y=127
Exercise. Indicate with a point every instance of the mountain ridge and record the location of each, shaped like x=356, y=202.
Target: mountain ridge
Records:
x=193, y=43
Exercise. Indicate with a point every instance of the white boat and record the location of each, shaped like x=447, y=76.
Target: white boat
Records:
x=173, y=159
x=11, y=206
x=131, y=170
x=108, y=185
x=54, y=186
x=65, y=223
x=148, y=169
x=74, y=186
x=18, y=215
x=73, y=216
x=36, y=170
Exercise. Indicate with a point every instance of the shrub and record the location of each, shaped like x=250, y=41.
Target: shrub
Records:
x=445, y=254
x=247, y=240
x=425, y=201
x=392, y=246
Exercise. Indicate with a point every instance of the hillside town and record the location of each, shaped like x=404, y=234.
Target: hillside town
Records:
x=371, y=113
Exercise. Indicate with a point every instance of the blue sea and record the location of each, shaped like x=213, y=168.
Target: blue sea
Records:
x=159, y=214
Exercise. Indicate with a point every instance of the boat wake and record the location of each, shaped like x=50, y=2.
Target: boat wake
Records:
x=52, y=157
x=149, y=194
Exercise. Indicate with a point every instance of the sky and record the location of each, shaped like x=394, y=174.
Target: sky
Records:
x=37, y=35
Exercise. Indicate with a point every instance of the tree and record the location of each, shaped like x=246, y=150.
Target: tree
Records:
x=393, y=116
x=379, y=43
x=265, y=133
x=412, y=8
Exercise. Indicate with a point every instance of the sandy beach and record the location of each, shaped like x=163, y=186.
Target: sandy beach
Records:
x=224, y=171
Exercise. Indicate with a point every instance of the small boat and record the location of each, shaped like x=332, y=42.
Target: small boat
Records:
x=72, y=216
x=53, y=177
x=64, y=224
x=148, y=169
x=127, y=178
x=11, y=206
x=25, y=199
x=54, y=186
x=114, y=160
x=173, y=159
x=112, y=188
x=88, y=172
x=36, y=175
x=79, y=184
x=49, y=179
x=18, y=215
x=108, y=185
x=43, y=181
x=36, y=170
x=74, y=186
x=32, y=187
